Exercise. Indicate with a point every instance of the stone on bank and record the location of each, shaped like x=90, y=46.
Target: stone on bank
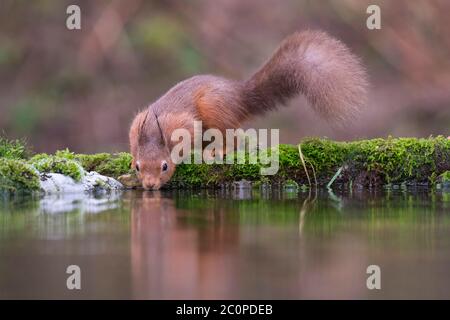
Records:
x=51, y=183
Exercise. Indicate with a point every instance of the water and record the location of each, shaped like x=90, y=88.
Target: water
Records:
x=227, y=245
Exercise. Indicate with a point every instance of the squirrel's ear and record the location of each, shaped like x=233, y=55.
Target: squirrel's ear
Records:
x=162, y=137
x=141, y=129
x=171, y=122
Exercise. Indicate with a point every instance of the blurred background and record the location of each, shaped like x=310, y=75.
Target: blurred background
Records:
x=80, y=89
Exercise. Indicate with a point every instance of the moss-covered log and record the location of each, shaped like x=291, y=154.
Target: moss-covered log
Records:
x=364, y=163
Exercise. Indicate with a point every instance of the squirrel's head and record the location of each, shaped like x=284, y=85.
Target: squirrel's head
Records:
x=151, y=154
x=154, y=170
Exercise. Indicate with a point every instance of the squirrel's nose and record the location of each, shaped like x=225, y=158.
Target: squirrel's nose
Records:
x=150, y=185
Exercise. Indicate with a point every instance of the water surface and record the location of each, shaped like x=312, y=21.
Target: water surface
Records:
x=226, y=245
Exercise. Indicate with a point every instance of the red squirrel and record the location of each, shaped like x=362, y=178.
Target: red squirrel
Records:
x=311, y=63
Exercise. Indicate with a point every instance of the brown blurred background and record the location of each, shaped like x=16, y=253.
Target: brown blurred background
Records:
x=80, y=89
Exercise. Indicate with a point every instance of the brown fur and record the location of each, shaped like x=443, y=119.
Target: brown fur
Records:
x=310, y=63
x=212, y=110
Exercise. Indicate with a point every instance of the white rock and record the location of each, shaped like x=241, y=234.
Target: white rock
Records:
x=55, y=183
x=94, y=181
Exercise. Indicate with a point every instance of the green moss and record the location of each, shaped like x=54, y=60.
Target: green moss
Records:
x=195, y=175
x=445, y=177
x=66, y=154
x=63, y=162
x=375, y=162
x=401, y=159
x=325, y=155
x=118, y=164
x=13, y=149
x=74, y=165
x=17, y=175
x=46, y=164
x=112, y=165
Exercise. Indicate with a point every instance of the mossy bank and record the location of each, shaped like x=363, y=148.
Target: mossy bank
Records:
x=357, y=164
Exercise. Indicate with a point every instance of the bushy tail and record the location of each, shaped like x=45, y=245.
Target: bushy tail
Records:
x=316, y=65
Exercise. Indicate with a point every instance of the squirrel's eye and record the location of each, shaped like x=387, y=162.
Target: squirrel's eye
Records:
x=137, y=166
x=164, y=166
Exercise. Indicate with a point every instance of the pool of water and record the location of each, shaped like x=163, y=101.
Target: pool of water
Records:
x=227, y=245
